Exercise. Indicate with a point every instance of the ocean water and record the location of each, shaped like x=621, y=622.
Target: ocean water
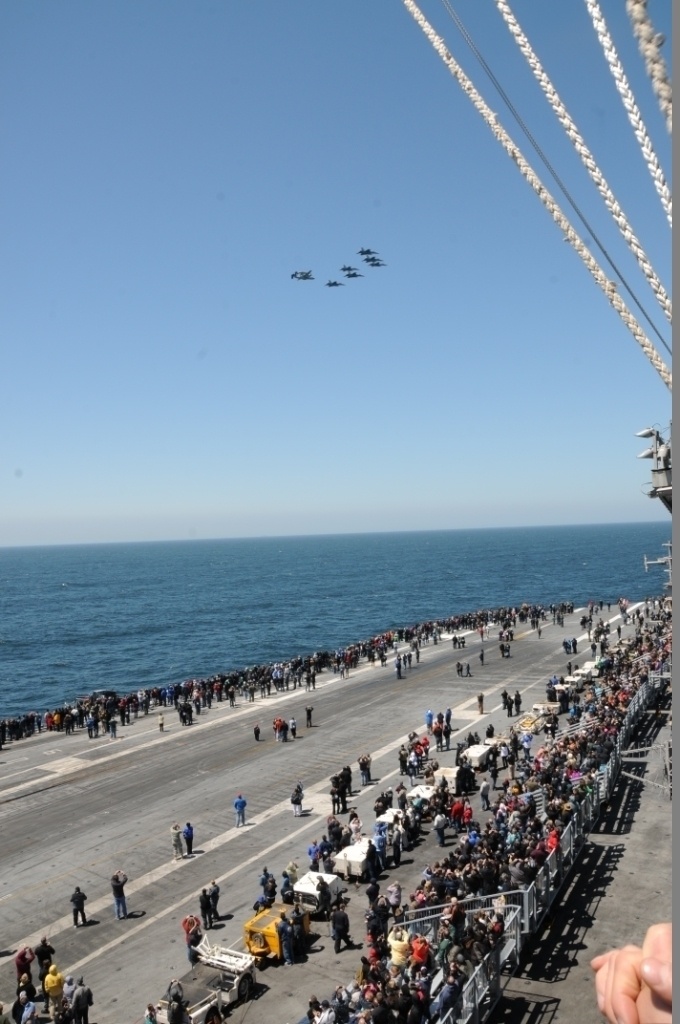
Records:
x=121, y=616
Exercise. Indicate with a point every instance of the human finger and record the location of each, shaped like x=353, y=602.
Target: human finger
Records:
x=606, y=966
x=599, y=961
x=622, y=986
x=656, y=997
x=601, y=967
x=658, y=942
x=658, y=946
x=659, y=976
x=602, y=958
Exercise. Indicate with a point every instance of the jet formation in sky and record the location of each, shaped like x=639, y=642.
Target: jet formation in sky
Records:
x=370, y=257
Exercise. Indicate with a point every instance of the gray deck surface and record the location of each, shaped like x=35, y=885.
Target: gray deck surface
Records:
x=73, y=810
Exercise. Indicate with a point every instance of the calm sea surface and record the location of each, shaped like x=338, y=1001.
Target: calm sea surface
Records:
x=120, y=616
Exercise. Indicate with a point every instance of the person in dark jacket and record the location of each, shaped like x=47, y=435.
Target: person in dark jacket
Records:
x=285, y=933
x=380, y=1014
x=118, y=881
x=78, y=900
x=269, y=891
x=44, y=952
x=324, y=897
x=175, y=1012
x=188, y=834
x=450, y=994
x=297, y=919
x=175, y=990
x=372, y=866
x=27, y=986
x=214, y=894
x=340, y=928
x=206, y=909
x=287, y=891
x=64, y=1013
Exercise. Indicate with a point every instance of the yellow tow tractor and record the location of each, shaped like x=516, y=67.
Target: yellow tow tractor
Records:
x=260, y=933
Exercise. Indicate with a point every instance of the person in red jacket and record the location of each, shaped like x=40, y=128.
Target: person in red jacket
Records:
x=456, y=813
x=191, y=927
x=553, y=840
x=23, y=961
x=420, y=951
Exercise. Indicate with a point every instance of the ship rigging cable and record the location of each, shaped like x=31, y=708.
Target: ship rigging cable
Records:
x=586, y=156
x=607, y=286
x=631, y=107
x=556, y=177
x=650, y=43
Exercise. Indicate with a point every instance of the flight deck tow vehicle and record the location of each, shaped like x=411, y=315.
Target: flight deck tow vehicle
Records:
x=221, y=978
x=261, y=935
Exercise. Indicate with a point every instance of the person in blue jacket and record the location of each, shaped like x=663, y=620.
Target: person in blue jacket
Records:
x=240, y=808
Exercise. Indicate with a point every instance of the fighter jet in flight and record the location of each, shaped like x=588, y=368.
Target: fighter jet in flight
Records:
x=367, y=252
x=334, y=284
x=348, y=270
x=353, y=273
x=373, y=262
x=302, y=275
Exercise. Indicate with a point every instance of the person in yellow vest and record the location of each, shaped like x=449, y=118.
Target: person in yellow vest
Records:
x=54, y=989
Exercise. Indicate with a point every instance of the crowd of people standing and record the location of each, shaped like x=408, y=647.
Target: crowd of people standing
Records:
x=66, y=1000
x=102, y=712
x=486, y=860
x=482, y=858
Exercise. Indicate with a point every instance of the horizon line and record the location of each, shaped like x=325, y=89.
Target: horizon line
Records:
x=308, y=536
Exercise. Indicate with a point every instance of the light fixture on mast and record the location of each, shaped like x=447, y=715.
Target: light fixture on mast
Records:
x=662, y=472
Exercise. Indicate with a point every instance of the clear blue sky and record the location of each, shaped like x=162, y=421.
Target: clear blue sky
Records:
x=166, y=165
